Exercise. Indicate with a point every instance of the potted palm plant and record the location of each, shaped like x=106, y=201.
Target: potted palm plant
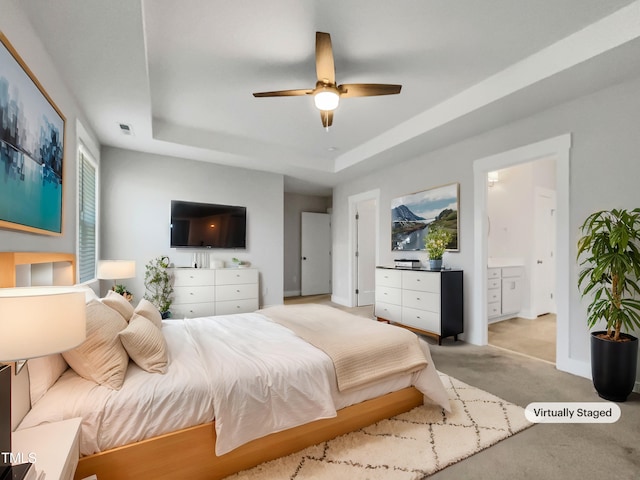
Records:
x=158, y=285
x=436, y=243
x=610, y=275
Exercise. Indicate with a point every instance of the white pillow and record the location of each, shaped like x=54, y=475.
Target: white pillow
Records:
x=149, y=311
x=101, y=357
x=43, y=373
x=119, y=304
x=145, y=344
x=89, y=293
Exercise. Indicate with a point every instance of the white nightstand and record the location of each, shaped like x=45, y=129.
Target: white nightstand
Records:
x=53, y=448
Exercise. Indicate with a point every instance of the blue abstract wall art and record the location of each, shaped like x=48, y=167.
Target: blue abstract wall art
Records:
x=31, y=150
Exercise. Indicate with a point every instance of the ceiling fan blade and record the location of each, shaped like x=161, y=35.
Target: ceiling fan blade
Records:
x=367, y=89
x=284, y=93
x=325, y=67
x=327, y=118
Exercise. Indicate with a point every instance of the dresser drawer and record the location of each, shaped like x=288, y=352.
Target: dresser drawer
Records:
x=423, y=281
x=493, y=273
x=493, y=310
x=493, y=283
x=193, y=276
x=192, y=310
x=388, y=295
x=494, y=296
x=234, y=276
x=421, y=300
x=428, y=321
x=388, y=278
x=197, y=294
x=388, y=311
x=236, y=292
x=236, y=306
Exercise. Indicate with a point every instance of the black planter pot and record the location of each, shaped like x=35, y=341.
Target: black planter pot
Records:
x=613, y=366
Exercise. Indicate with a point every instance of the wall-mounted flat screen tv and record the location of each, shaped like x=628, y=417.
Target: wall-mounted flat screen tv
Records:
x=207, y=225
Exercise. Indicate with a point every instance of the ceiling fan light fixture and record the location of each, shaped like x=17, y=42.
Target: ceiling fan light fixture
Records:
x=326, y=99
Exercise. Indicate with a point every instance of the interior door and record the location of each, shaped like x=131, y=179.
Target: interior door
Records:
x=544, y=267
x=315, y=265
x=365, y=252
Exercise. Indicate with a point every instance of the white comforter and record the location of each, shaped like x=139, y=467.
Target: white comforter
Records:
x=286, y=382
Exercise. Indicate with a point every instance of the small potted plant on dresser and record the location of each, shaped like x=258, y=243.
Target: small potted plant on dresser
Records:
x=158, y=285
x=611, y=274
x=436, y=243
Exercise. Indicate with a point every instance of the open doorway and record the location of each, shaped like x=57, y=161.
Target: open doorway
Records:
x=521, y=208
x=476, y=330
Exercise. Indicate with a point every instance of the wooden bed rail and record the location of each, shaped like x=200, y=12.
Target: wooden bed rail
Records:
x=189, y=453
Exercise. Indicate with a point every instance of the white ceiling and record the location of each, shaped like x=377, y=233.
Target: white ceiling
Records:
x=182, y=73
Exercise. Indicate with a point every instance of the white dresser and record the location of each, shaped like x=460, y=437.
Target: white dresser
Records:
x=504, y=291
x=201, y=292
x=421, y=300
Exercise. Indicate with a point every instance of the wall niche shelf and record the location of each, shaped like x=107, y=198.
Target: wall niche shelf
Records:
x=24, y=269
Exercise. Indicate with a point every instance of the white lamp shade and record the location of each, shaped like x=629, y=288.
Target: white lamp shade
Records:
x=493, y=177
x=116, y=269
x=326, y=100
x=38, y=321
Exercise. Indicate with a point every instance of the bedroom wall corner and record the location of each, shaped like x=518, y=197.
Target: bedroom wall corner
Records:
x=136, y=193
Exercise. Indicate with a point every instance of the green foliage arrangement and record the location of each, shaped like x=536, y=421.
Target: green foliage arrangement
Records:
x=158, y=283
x=611, y=269
x=122, y=290
x=436, y=242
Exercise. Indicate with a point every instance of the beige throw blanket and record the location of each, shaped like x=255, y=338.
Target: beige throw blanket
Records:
x=362, y=350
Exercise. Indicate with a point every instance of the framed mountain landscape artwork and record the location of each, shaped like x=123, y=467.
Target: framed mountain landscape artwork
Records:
x=31, y=149
x=413, y=215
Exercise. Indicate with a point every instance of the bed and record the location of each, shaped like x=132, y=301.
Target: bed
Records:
x=185, y=422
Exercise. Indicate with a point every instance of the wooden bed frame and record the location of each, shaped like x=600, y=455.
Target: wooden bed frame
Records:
x=190, y=453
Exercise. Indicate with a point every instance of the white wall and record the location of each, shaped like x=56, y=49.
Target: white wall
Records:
x=25, y=41
x=604, y=170
x=137, y=189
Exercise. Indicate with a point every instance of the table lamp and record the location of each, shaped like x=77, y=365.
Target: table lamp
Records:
x=116, y=269
x=34, y=322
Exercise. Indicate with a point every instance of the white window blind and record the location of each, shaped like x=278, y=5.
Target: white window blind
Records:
x=87, y=213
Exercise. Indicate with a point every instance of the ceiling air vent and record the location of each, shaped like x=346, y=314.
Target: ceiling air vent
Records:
x=126, y=129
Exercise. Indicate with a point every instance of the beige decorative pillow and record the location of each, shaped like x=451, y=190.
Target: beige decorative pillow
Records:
x=149, y=311
x=119, y=304
x=43, y=373
x=101, y=357
x=145, y=344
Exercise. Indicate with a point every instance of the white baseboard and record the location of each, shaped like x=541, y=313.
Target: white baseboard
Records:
x=575, y=367
x=292, y=293
x=341, y=301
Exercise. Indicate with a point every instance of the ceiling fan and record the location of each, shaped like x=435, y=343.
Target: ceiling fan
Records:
x=327, y=93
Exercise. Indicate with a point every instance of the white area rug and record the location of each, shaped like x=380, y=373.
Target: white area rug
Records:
x=409, y=446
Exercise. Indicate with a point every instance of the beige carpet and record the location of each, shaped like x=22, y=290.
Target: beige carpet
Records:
x=410, y=446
